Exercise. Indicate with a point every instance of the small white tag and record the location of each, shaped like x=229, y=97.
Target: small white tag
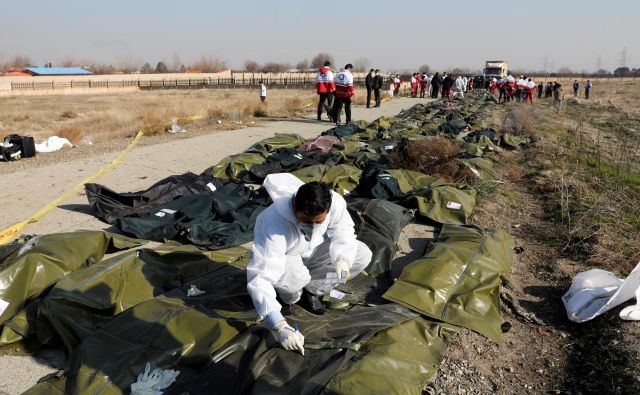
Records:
x=345, y=192
x=332, y=278
x=453, y=205
x=337, y=294
x=160, y=214
x=211, y=187
x=168, y=211
x=388, y=147
x=384, y=176
x=299, y=156
x=3, y=305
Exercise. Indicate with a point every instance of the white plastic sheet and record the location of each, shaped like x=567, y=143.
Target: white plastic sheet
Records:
x=597, y=291
x=52, y=144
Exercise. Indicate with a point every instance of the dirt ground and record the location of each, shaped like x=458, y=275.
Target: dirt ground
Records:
x=542, y=352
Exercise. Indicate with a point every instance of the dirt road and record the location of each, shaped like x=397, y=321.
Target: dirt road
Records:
x=33, y=188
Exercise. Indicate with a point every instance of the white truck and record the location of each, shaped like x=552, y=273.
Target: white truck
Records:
x=496, y=68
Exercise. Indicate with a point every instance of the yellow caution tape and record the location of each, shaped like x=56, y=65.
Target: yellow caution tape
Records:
x=10, y=233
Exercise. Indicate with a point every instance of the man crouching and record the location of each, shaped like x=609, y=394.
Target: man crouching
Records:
x=304, y=237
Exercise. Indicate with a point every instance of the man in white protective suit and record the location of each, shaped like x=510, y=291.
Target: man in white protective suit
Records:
x=302, y=243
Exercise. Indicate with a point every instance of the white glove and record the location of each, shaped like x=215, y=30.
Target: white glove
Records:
x=291, y=339
x=342, y=266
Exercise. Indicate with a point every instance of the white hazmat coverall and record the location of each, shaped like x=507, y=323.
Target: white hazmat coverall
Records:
x=285, y=260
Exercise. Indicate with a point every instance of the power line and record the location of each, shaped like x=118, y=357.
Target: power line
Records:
x=623, y=57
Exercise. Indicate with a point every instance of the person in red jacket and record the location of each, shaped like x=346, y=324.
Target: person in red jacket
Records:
x=325, y=87
x=423, y=84
x=344, y=93
x=414, y=85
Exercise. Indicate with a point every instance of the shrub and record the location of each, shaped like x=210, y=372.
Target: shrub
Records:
x=520, y=121
x=435, y=156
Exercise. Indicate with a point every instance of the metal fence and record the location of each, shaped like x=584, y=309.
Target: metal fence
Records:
x=186, y=83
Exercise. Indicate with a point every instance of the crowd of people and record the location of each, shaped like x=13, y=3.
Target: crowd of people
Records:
x=509, y=88
x=336, y=92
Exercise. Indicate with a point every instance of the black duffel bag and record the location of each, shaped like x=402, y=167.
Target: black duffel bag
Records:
x=10, y=153
x=26, y=144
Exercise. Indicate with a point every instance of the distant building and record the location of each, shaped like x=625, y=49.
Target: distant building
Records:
x=47, y=71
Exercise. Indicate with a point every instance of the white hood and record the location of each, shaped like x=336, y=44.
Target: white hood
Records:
x=282, y=187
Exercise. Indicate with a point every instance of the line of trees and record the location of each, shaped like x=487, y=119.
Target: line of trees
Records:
x=125, y=65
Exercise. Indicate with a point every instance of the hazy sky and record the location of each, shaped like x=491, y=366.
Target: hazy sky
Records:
x=391, y=34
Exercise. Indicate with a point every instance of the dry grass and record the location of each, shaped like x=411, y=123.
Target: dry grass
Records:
x=520, y=120
x=360, y=98
x=434, y=156
x=591, y=188
x=102, y=117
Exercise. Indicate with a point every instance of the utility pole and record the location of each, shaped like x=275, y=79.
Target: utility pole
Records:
x=599, y=63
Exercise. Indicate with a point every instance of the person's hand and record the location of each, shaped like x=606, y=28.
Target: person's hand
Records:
x=342, y=269
x=290, y=339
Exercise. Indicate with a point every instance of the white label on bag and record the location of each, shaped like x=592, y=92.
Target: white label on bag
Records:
x=332, y=278
x=212, y=187
x=388, y=147
x=454, y=205
x=337, y=294
x=3, y=305
x=168, y=211
x=160, y=214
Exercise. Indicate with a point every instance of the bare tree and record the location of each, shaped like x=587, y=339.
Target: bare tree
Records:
x=128, y=64
x=176, y=62
x=208, y=64
x=361, y=64
x=18, y=61
x=100, y=68
x=425, y=69
x=273, y=67
x=303, y=64
x=69, y=62
x=251, y=66
x=318, y=60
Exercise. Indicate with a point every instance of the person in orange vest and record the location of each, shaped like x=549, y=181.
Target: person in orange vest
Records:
x=344, y=93
x=325, y=88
